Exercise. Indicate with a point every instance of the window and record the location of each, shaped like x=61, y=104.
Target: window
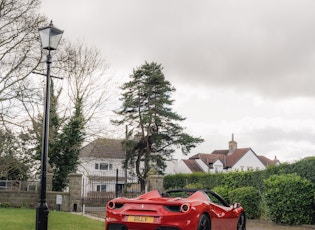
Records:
x=106, y=166
x=101, y=188
x=119, y=187
x=103, y=166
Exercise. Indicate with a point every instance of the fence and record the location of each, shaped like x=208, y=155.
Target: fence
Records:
x=15, y=185
x=99, y=189
x=87, y=194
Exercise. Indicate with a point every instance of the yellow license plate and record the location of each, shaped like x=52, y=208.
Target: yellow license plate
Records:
x=141, y=219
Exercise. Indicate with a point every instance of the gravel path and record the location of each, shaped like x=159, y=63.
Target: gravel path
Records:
x=254, y=225
x=251, y=225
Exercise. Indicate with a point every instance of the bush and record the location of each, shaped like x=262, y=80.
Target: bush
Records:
x=175, y=181
x=222, y=191
x=195, y=185
x=289, y=199
x=233, y=180
x=5, y=205
x=305, y=168
x=249, y=198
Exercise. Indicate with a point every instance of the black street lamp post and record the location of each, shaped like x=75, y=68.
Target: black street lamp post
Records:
x=50, y=38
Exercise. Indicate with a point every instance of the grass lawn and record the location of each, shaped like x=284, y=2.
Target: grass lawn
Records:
x=14, y=218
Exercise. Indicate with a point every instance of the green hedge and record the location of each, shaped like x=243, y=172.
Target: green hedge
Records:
x=223, y=191
x=250, y=200
x=231, y=180
x=289, y=199
x=181, y=180
x=223, y=183
x=303, y=168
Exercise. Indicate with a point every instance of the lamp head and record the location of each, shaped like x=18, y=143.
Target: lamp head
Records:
x=50, y=36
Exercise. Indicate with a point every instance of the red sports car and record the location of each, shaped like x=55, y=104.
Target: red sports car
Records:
x=188, y=209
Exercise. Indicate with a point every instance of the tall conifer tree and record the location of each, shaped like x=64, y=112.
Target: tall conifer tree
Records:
x=155, y=129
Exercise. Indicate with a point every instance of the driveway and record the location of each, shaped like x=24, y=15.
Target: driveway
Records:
x=254, y=225
x=251, y=224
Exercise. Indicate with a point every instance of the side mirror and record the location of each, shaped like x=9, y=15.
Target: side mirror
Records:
x=236, y=205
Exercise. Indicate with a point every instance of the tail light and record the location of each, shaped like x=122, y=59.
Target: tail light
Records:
x=114, y=205
x=185, y=207
x=111, y=205
x=178, y=208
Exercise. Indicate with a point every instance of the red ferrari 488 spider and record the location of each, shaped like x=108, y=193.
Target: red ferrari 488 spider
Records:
x=181, y=209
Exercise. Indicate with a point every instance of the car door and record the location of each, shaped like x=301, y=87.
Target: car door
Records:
x=222, y=215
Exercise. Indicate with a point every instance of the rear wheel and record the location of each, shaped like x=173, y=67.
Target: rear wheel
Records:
x=204, y=222
x=241, y=223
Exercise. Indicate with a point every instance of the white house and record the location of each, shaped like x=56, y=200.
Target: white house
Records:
x=232, y=159
x=101, y=164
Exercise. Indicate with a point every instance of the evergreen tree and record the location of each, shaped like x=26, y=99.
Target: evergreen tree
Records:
x=65, y=140
x=68, y=146
x=55, y=123
x=155, y=128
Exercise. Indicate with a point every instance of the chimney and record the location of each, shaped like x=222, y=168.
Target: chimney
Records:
x=232, y=145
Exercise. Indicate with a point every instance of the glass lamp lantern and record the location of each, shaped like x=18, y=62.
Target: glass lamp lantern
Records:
x=50, y=37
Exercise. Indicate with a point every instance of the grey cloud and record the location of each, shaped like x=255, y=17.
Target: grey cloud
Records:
x=247, y=47
x=261, y=45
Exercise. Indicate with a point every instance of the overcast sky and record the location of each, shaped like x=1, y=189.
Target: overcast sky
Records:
x=241, y=66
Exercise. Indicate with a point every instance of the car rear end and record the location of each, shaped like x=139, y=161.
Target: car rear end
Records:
x=152, y=214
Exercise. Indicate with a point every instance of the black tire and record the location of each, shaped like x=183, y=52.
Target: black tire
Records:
x=241, y=223
x=204, y=223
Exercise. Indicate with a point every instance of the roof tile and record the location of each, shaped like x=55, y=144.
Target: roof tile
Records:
x=103, y=148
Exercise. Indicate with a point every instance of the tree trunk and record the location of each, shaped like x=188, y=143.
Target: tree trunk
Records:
x=142, y=185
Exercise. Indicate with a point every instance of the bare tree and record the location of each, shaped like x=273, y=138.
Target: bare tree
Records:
x=86, y=78
x=21, y=93
x=82, y=67
x=20, y=52
x=14, y=162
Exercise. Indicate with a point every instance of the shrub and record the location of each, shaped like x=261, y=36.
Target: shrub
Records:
x=175, y=181
x=289, y=199
x=249, y=198
x=222, y=191
x=5, y=205
x=305, y=168
x=194, y=185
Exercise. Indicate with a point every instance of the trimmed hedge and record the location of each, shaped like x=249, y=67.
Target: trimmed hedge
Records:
x=289, y=199
x=223, y=183
x=231, y=180
x=223, y=191
x=249, y=198
x=303, y=168
x=195, y=186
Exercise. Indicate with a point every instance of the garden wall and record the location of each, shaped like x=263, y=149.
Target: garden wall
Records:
x=31, y=199
x=63, y=201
